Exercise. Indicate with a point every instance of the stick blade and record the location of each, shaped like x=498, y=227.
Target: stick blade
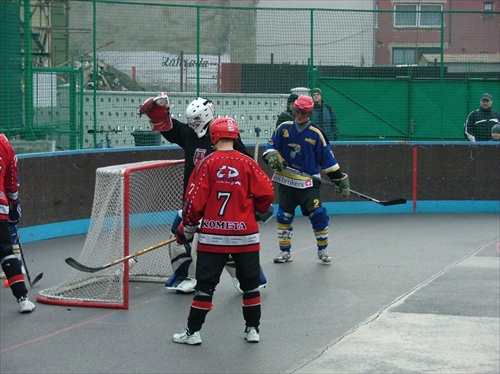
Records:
x=79, y=266
x=393, y=202
x=37, y=278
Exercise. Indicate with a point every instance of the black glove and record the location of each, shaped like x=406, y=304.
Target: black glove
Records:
x=15, y=213
x=185, y=234
x=265, y=217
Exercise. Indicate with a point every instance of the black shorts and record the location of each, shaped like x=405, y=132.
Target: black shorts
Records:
x=308, y=199
x=209, y=267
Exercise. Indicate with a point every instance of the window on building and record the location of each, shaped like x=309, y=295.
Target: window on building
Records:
x=403, y=56
x=411, y=56
x=417, y=15
x=488, y=6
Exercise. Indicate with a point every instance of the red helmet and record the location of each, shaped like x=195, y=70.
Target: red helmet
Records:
x=223, y=127
x=305, y=103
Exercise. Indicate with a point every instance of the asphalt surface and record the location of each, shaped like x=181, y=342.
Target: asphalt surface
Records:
x=405, y=293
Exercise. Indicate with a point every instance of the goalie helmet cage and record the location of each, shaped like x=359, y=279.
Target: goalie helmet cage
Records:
x=134, y=207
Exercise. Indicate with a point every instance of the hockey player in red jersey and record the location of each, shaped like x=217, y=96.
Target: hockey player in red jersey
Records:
x=194, y=138
x=224, y=192
x=9, y=200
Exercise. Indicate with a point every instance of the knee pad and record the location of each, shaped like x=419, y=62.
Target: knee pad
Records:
x=204, y=289
x=284, y=217
x=319, y=219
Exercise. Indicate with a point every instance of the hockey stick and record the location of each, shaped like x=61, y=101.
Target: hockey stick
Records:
x=39, y=276
x=359, y=194
x=257, y=141
x=87, y=269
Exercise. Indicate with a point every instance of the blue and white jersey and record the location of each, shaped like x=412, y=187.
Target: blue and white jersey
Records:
x=307, y=150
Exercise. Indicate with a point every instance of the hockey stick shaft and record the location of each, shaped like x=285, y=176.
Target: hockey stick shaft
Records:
x=256, y=149
x=359, y=194
x=87, y=269
x=39, y=276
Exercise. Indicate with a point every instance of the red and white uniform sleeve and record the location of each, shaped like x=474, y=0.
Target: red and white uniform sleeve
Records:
x=225, y=190
x=8, y=177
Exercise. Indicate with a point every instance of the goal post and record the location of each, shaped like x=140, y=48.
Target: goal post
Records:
x=134, y=207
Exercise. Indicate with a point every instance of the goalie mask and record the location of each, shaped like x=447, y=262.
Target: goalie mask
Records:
x=224, y=127
x=199, y=113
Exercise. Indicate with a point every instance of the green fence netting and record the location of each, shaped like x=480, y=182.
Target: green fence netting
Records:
x=404, y=72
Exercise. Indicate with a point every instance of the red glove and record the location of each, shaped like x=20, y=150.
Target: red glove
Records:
x=159, y=115
x=185, y=234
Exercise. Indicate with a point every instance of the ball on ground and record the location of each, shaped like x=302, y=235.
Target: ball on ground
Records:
x=6, y=283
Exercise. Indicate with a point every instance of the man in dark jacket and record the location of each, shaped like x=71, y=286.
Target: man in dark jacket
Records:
x=477, y=127
x=288, y=114
x=324, y=117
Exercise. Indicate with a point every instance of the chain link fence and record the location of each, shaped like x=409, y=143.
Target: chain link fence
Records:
x=409, y=73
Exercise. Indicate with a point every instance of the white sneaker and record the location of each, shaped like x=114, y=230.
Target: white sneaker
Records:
x=25, y=305
x=324, y=256
x=187, y=338
x=252, y=335
x=283, y=256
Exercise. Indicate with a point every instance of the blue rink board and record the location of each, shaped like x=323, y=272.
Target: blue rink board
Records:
x=78, y=227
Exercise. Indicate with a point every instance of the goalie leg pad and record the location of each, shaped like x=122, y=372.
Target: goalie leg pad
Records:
x=181, y=262
x=231, y=267
x=173, y=281
x=177, y=221
x=179, y=258
x=188, y=285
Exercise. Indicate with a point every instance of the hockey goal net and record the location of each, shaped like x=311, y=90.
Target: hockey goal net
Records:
x=134, y=207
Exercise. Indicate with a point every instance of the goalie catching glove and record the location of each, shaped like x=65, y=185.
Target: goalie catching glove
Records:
x=343, y=186
x=158, y=111
x=185, y=234
x=275, y=161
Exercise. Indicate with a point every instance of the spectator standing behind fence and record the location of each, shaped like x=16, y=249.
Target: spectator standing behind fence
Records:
x=323, y=116
x=479, y=122
x=495, y=132
x=288, y=114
